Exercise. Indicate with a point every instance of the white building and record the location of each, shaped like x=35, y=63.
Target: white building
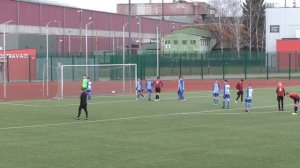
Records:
x=281, y=23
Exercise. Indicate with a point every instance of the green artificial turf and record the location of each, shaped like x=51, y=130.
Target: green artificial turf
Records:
x=125, y=133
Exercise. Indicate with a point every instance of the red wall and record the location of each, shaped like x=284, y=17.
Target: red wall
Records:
x=288, y=45
x=21, y=64
x=288, y=48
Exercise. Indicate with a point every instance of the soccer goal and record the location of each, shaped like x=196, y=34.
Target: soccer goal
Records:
x=106, y=79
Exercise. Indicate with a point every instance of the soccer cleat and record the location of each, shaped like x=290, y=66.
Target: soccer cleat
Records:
x=235, y=102
x=294, y=113
x=86, y=119
x=155, y=100
x=77, y=118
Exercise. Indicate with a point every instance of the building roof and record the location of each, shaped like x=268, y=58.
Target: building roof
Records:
x=194, y=31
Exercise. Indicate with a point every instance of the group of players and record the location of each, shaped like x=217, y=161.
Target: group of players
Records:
x=216, y=89
x=226, y=94
x=280, y=91
x=157, y=85
x=150, y=85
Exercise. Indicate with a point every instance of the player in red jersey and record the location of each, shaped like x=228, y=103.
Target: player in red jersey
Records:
x=296, y=98
x=240, y=92
x=158, y=85
x=280, y=95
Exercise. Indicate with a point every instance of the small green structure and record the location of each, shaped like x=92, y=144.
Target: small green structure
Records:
x=188, y=40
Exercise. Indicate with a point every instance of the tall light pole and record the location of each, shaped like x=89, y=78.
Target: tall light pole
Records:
x=4, y=58
x=59, y=47
x=80, y=20
x=86, y=47
x=124, y=47
x=47, y=56
x=123, y=55
x=157, y=51
x=139, y=33
x=69, y=47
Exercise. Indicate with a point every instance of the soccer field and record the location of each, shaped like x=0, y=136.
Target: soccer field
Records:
x=125, y=133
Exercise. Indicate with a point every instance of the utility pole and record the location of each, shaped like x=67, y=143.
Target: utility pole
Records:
x=129, y=27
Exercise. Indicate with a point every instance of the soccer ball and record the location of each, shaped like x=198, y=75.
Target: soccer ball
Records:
x=113, y=92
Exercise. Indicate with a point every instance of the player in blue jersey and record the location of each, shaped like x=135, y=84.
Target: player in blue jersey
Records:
x=149, y=87
x=139, y=89
x=248, y=99
x=226, y=95
x=180, y=89
x=216, y=92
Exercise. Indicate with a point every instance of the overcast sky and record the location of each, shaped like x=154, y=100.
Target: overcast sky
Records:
x=110, y=5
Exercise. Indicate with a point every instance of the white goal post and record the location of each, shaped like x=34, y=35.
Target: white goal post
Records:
x=106, y=79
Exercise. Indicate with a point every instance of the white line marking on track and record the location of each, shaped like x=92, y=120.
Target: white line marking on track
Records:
x=226, y=112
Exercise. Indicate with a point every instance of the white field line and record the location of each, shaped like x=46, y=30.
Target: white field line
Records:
x=26, y=105
x=226, y=112
x=100, y=102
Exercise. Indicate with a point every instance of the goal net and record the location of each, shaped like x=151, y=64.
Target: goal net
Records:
x=106, y=79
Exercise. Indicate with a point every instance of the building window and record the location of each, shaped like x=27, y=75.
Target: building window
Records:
x=274, y=29
x=184, y=42
x=167, y=42
x=193, y=42
x=175, y=42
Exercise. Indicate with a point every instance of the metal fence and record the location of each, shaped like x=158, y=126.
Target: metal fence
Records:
x=211, y=65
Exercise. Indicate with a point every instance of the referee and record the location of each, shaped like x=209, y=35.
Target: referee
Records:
x=83, y=105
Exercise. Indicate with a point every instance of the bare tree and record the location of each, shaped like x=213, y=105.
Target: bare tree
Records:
x=260, y=25
x=219, y=19
x=249, y=13
x=228, y=20
x=254, y=14
x=248, y=16
x=235, y=22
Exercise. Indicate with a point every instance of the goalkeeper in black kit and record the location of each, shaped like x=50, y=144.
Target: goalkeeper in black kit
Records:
x=83, y=104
